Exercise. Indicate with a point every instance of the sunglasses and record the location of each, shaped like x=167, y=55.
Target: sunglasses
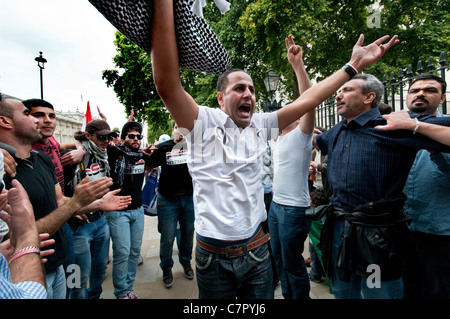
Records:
x=132, y=136
x=103, y=138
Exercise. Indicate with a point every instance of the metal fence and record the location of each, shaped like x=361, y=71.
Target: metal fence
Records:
x=394, y=91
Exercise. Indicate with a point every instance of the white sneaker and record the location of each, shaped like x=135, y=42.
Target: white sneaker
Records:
x=129, y=295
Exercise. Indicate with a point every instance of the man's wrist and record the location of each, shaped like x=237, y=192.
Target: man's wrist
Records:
x=74, y=205
x=416, y=125
x=350, y=69
x=356, y=65
x=24, y=251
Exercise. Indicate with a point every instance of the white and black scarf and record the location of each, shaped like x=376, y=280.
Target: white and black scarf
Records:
x=126, y=160
x=91, y=150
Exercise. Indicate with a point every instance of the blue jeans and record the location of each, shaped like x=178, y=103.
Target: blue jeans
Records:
x=127, y=229
x=357, y=287
x=91, y=247
x=289, y=228
x=56, y=284
x=246, y=277
x=70, y=254
x=173, y=210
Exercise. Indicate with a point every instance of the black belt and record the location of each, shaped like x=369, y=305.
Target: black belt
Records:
x=236, y=250
x=92, y=218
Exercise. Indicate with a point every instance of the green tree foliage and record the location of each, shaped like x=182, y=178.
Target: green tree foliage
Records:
x=253, y=31
x=132, y=81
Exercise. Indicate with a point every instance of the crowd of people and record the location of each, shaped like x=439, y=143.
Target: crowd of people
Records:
x=385, y=227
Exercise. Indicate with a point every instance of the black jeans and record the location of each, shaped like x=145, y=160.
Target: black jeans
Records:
x=429, y=272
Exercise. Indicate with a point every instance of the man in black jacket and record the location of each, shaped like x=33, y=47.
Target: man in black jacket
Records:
x=175, y=204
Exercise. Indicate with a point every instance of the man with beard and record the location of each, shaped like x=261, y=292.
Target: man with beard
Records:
x=44, y=112
x=428, y=203
x=91, y=236
x=367, y=170
x=36, y=173
x=127, y=163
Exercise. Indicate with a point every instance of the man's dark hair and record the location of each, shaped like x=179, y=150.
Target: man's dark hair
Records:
x=222, y=81
x=385, y=108
x=430, y=76
x=36, y=102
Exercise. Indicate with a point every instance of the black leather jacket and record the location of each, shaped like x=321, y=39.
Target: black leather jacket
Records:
x=374, y=233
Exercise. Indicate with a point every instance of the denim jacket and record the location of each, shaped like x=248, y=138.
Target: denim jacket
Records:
x=428, y=192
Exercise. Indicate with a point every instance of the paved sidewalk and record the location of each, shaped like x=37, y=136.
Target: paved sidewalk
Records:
x=149, y=284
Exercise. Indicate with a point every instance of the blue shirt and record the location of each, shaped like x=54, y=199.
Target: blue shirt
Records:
x=21, y=290
x=428, y=192
x=367, y=164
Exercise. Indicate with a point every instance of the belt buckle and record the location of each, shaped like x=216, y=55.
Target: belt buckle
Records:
x=228, y=254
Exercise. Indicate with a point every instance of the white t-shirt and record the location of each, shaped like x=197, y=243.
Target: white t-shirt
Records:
x=225, y=165
x=290, y=181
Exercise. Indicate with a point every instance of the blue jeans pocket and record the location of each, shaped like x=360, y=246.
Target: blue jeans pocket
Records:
x=203, y=260
x=259, y=254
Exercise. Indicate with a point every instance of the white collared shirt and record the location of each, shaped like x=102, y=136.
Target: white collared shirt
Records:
x=225, y=166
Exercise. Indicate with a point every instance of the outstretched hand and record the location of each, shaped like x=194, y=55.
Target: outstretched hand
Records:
x=364, y=56
x=112, y=202
x=86, y=192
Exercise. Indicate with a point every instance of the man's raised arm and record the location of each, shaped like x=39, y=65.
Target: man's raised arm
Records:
x=165, y=64
x=361, y=57
x=295, y=58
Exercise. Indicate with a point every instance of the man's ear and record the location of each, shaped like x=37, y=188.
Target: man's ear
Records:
x=369, y=98
x=220, y=99
x=6, y=122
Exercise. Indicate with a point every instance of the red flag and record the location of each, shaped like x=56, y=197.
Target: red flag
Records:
x=87, y=117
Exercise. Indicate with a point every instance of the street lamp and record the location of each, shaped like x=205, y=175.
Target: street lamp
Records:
x=271, y=83
x=41, y=60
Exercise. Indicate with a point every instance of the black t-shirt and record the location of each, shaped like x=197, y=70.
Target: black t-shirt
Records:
x=175, y=178
x=133, y=176
x=37, y=176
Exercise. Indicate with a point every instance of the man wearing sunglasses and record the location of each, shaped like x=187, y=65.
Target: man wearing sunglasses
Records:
x=127, y=163
x=91, y=236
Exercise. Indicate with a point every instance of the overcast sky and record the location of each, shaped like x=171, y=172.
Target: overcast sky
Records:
x=77, y=42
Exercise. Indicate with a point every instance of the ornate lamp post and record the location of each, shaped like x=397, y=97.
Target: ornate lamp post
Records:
x=41, y=60
x=271, y=83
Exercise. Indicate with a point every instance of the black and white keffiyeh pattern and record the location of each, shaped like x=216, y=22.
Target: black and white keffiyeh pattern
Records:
x=92, y=150
x=125, y=162
x=199, y=47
